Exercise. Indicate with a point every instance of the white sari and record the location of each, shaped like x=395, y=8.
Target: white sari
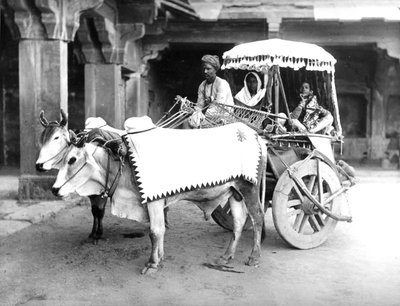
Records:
x=244, y=95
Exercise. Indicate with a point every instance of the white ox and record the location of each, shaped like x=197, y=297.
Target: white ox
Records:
x=89, y=169
x=54, y=143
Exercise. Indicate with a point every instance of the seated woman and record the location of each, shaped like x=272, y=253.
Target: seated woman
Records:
x=251, y=95
x=309, y=116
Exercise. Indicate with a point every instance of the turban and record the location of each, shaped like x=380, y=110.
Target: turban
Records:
x=213, y=60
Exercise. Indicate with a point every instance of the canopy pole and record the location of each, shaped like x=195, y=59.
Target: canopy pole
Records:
x=276, y=90
x=269, y=89
x=284, y=96
x=335, y=104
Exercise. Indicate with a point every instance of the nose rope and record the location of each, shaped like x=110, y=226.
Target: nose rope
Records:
x=63, y=148
x=76, y=171
x=73, y=175
x=108, y=192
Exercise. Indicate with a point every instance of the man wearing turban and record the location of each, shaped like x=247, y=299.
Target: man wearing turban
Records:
x=212, y=90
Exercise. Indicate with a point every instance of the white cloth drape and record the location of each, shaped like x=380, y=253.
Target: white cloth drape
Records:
x=244, y=95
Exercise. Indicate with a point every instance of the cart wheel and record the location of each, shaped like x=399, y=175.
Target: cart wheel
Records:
x=296, y=218
x=222, y=216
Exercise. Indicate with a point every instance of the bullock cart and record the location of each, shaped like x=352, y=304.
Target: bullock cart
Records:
x=304, y=184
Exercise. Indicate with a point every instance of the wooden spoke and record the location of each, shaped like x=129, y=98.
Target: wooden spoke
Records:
x=333, y=195
x=320, y=218
x=293, y=203
x=293, y=212
x=314, y=191
x=320, y=187
x=314, y=223
x=298, y=192
x=311, y=183
x=298, y=220
x=327, y=201
x=303, y=222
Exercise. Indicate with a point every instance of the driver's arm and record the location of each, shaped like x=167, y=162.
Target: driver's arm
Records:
x=200, y=97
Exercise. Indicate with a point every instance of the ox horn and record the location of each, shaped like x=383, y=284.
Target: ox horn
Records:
x=64, y=118
x=43, y=121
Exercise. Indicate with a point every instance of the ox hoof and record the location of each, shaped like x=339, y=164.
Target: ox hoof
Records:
x=254, y=262
x=95, y=239
x=223, y=260
x=149, y=269
x=95, y=236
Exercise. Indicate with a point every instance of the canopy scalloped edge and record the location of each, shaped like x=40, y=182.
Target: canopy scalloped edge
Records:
x=261, y=55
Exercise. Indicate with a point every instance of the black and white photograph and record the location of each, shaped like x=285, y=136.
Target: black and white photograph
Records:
x=199, y=152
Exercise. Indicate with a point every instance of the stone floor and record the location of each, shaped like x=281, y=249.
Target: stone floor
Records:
x=15, y=216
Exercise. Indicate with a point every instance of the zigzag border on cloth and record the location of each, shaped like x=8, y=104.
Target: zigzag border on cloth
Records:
x=247, y=153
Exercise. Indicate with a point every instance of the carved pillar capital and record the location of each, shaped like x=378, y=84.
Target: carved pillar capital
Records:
x=104, y=42
x=9, y=19
x=151, y=52
x=50, y=19
x=27, y=19
x=126, y=32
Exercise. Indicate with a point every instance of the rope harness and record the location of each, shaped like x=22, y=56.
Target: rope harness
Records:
x=57, y=154
x=109, y=192
x=73, y=175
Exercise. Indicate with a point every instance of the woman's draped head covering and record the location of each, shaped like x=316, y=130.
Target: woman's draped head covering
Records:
x=244, y=95
x=213, y=60
x=257, y=78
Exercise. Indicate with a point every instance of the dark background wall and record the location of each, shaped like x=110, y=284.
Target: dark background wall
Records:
x=9, y=99
x=179, y=72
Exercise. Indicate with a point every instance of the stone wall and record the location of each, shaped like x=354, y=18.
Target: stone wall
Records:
x=9, y=101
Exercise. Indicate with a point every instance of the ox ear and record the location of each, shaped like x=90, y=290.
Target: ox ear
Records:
x=64, y=118
x=80, y=142
x=43, y=121
x=72, y=136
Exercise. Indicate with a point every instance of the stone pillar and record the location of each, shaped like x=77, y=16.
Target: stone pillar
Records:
x=274, y=24
x=378, y=138
x=136, y=96
x=45, y=27
x=379, y=95
x=107, y=92
x=43, y=85
x=103, y=85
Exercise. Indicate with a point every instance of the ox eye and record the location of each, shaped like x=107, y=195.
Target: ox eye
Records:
x=55, y=138
x=71, y=160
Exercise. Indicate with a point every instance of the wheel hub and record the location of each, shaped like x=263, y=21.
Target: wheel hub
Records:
x=308, y=207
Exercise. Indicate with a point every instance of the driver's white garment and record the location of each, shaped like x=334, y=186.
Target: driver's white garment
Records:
x=219, y=91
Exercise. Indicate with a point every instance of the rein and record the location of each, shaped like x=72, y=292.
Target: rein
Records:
x=109, y=192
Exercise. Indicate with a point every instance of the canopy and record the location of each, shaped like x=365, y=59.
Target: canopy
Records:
x=261, y=55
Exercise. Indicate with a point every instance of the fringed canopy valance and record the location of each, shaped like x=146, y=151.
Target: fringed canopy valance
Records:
x=260, y=55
